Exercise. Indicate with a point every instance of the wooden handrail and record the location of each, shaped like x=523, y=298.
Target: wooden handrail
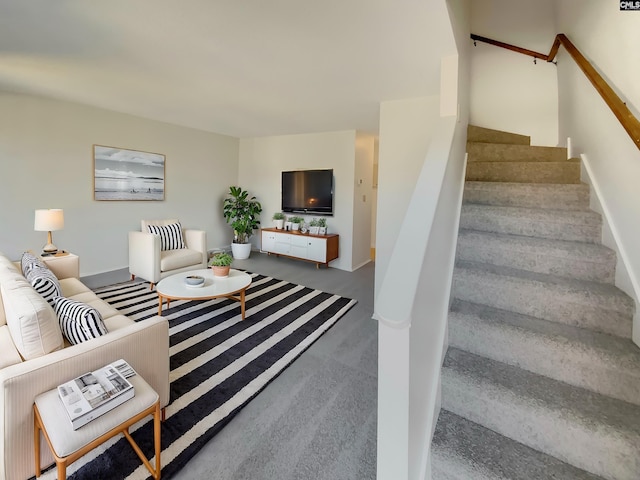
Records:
x=629, y=122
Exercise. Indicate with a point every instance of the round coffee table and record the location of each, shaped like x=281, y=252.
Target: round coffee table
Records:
x=175, y=288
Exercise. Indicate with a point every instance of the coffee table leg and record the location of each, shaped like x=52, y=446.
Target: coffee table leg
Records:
x=242, y=303
x=159, y=305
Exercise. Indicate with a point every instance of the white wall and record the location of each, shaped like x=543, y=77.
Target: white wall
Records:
x=46, y=162
x=509, y=92
x=609, y=39
x=263, y=159
x=405, y=132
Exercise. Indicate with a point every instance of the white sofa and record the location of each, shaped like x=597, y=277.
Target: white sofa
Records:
x=148, y=260
x=144, y=344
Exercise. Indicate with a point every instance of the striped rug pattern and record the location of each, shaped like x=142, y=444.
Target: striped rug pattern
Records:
x=218, y=364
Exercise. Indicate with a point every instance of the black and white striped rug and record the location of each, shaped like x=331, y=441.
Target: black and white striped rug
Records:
x=218, y=364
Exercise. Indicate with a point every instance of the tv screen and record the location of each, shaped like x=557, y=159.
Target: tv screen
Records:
x=308, y=191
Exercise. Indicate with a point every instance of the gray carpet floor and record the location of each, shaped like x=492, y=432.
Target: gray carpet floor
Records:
x=317, y=420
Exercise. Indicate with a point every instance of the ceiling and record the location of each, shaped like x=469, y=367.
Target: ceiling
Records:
x=238, y=67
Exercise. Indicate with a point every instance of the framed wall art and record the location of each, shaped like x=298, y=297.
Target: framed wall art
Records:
x=121, y=174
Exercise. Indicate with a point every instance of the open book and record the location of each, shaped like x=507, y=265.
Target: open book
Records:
x=90, y=395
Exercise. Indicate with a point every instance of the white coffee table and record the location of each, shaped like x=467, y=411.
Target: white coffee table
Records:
x=175, y=288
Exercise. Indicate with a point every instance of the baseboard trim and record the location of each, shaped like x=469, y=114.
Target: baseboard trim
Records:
x=625, y=279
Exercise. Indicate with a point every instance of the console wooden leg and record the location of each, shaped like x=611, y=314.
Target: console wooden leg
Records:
x=133, y=277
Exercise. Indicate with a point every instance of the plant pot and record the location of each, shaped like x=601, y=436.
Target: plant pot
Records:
x=322, y=230
x=295, y=227
x=279, y=224
x=314, y=230
x=241, y=251
x=220, y=271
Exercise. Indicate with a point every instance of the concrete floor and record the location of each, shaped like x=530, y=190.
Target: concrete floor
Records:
x=317, y=420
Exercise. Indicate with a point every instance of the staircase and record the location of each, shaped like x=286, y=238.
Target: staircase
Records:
x=541, y=379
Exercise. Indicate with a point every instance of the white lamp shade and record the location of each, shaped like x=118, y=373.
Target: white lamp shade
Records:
x=49, y=220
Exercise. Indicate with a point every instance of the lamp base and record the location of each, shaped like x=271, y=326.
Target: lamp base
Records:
x=49, y=248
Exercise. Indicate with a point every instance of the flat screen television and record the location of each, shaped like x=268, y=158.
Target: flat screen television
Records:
x=308, y=191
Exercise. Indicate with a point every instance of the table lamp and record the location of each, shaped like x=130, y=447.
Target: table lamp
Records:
x=48, y=220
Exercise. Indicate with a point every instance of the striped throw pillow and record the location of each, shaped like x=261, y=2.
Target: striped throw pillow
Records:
x=44, y=282
x=79, y=322
x=170, y=236
x=28, y=261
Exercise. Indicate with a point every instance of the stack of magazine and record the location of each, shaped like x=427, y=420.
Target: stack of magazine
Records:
x=95, y=393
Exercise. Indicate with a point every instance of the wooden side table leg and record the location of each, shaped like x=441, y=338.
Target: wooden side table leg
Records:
x=62, y=470
x=159, y=305
x=156, y=440
x=242, y=303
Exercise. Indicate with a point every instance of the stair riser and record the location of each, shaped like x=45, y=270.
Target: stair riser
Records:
x=531, y=227
x=600, y=312
x=487, y=135
x=581, y=366
x=524, y=172
x=574, y=197
x=496, y=252
x=544, y=429
x=496, y=152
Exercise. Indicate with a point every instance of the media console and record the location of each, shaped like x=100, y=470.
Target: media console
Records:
x=320, y=249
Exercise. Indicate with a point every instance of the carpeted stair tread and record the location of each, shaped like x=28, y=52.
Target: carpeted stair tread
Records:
x=571, y=225
x=585, y=261
x=534, y=195
x=500, y=152
x=564, y=172
x=599, y=306
x=488, y=135
x=464, y=450
x=590, y=431
x=602, y=363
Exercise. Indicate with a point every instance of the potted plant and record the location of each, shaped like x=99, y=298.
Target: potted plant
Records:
x=220, y=263
x=243, y=213
x=278, y=220
x=322, y=226
x=295, y=223
x=313, y=226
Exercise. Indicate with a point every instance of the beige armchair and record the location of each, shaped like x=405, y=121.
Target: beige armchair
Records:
x=153, y=256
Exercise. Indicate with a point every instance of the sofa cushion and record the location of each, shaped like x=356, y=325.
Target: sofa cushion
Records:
x=9, y=355
x=32, y=322
x=72, y=286
x=170, y=236
x=79, y=322
x=44, y=282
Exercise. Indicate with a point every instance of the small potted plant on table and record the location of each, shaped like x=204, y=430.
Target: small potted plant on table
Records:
x=314, y=226
x=322, y=226
x=220, y=263
x=296, y=222
x=278, y=220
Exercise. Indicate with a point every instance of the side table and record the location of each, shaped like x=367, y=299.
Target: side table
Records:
x=63, y=265
x=68, y=445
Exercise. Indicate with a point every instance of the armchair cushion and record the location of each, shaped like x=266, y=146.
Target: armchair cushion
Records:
x=174, y=259
x=170, y=236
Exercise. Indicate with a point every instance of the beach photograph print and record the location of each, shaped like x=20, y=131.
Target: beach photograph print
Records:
x=122, y=174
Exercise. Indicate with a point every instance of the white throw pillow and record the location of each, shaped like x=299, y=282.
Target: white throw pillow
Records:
x=32, y=322
x=79, y=322
x=170, y=236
